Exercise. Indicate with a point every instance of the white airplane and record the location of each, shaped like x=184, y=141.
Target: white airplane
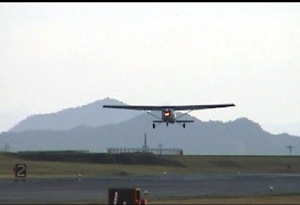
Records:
x=168, y=114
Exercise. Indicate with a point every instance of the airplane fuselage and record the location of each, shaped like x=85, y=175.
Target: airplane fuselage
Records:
x=168, y=116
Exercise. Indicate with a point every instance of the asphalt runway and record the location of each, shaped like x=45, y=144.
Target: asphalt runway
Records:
x=95, y=189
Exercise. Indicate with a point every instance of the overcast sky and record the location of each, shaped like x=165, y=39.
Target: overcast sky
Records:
x=55, y=56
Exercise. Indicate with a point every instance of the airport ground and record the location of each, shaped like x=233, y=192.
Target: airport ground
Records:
x=192, y=179
x=174, y=189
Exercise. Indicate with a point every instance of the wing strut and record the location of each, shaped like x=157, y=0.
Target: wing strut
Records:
x=153, y=115
x=183, y=114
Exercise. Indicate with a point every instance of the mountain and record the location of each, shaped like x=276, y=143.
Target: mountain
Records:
x=277, y=128
x=241, y=137
x=90, y=115
x=95, y=129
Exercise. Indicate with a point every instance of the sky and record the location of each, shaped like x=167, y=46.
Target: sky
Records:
x=60, y=55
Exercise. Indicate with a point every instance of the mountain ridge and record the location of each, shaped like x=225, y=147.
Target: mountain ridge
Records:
x=238, y=137
x=90, y=115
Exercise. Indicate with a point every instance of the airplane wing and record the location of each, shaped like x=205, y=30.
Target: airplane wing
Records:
x=174, y=107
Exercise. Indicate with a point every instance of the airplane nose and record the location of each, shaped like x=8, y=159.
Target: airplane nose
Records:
x=167, y=114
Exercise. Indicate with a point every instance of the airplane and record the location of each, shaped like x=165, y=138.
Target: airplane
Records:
x=168, y=114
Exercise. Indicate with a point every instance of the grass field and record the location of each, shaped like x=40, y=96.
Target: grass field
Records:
x=70, y=169
x=282, y=200
x=190, y=165
x=239, y=164
x=286, y=199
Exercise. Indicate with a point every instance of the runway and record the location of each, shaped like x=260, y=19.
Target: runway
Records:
x=95, y=189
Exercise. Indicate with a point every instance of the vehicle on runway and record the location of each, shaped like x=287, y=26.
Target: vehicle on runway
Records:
x=168, y=114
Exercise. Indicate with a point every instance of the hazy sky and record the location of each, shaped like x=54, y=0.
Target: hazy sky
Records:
x=59, y=55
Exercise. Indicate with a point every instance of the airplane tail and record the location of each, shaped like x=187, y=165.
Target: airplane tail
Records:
x=184, y=121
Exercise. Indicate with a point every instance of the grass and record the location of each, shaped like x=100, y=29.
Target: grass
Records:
x=190, y=165
x=285, y=199
x=239, y=164
x=70, y=169
x=280, y=199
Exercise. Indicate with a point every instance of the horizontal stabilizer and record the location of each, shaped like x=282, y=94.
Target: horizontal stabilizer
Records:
x=157, y=121
x=184, y=121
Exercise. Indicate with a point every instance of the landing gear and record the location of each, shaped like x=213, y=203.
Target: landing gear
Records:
x=183, y=125
x=158, y=123
x=153, y=126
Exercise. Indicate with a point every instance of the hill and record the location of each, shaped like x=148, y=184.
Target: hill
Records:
x=90, y=115
x=239, y=137
x=101, y=128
